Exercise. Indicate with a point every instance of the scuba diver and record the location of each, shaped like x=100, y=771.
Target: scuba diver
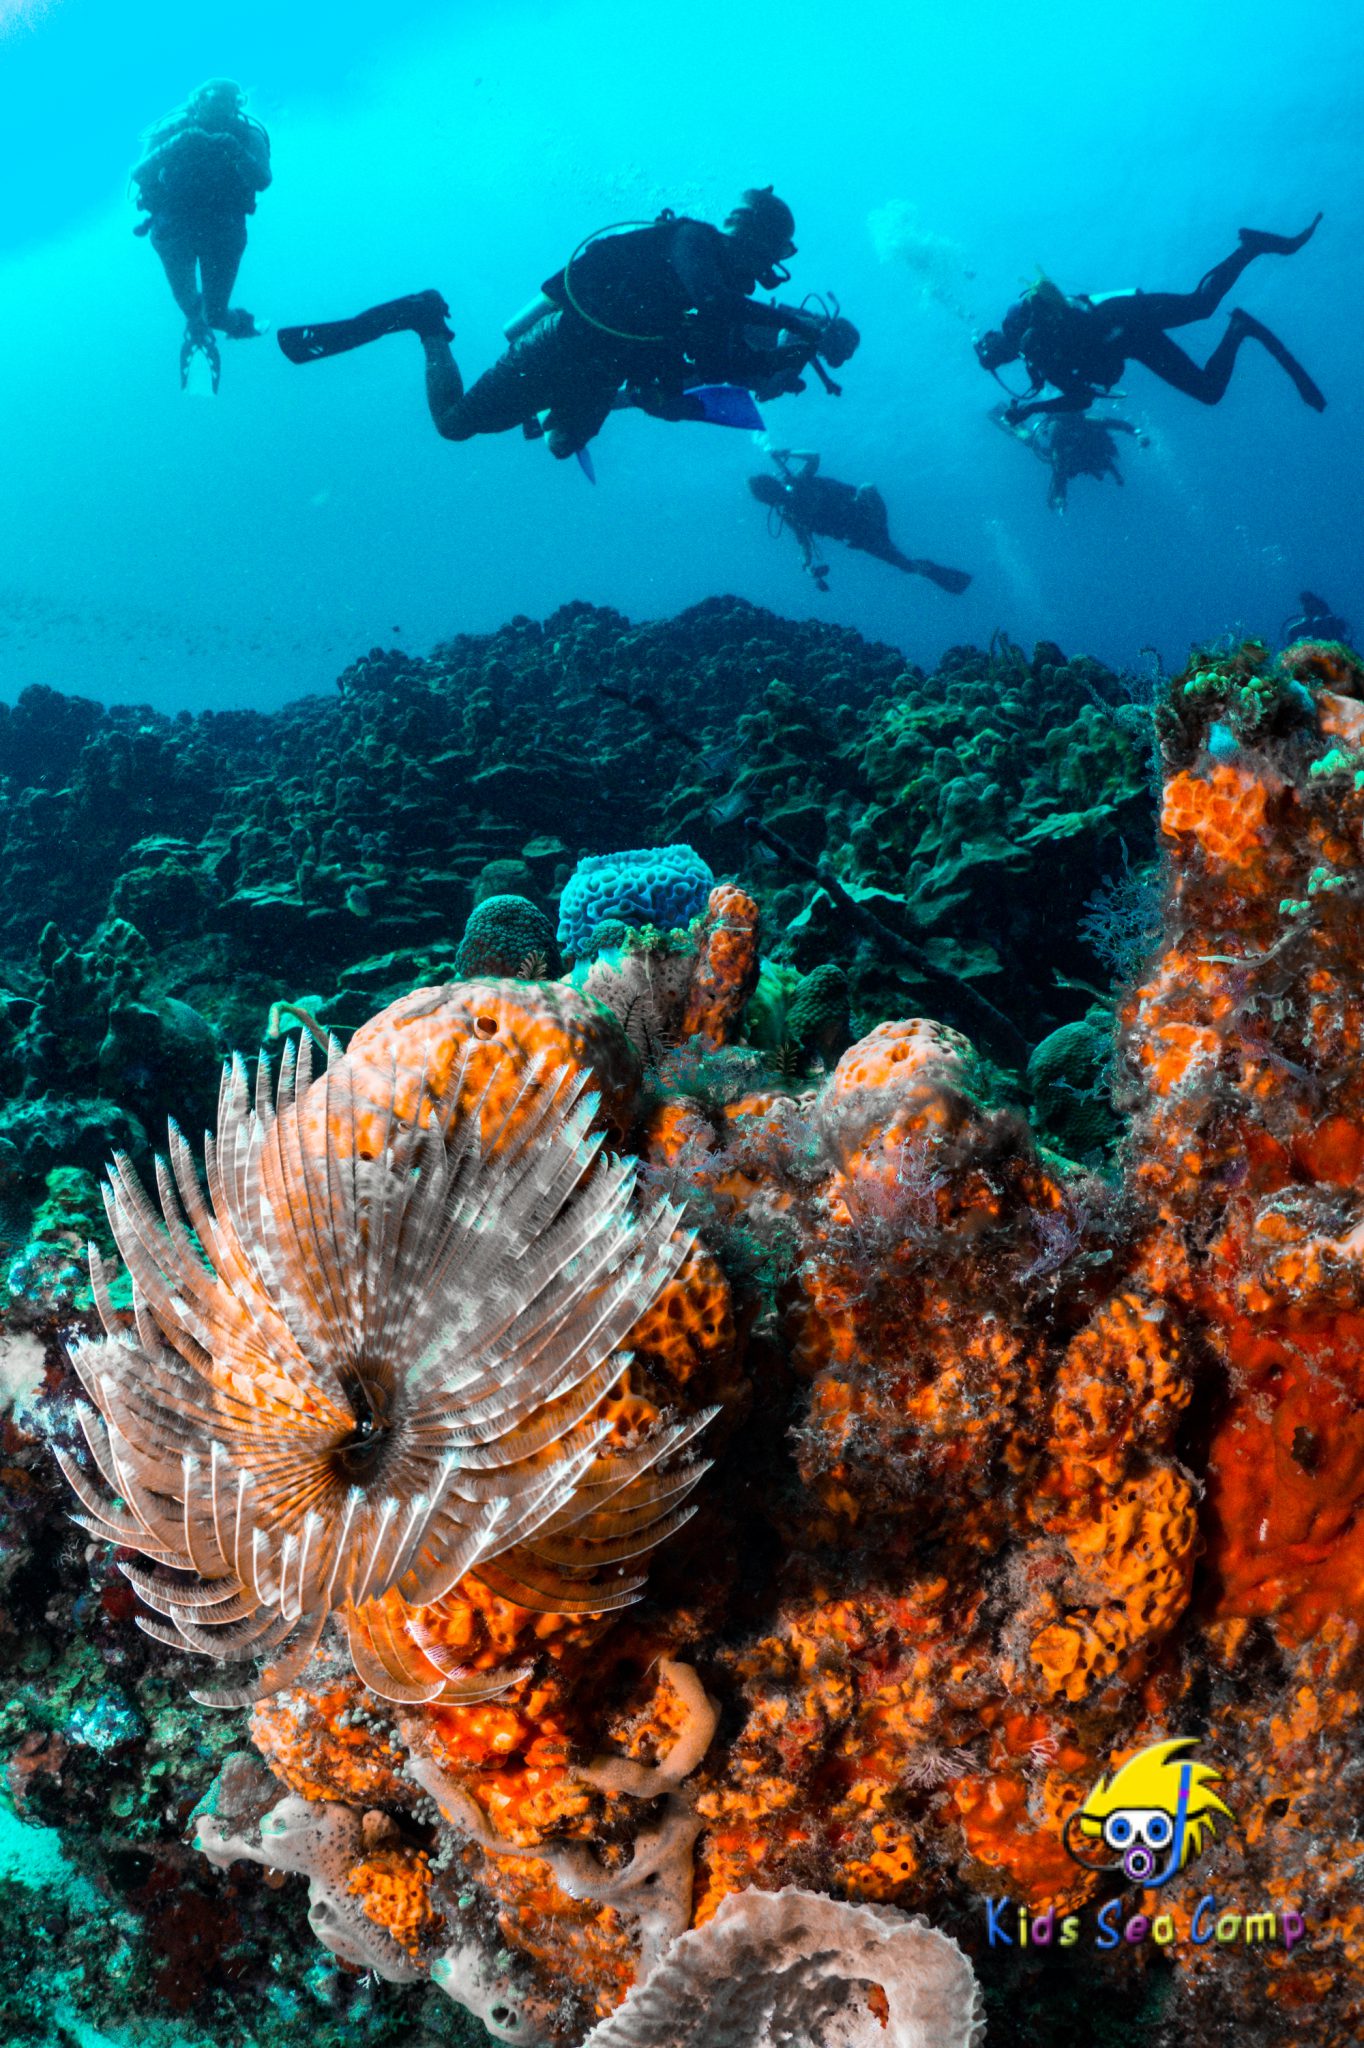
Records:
x=197, y=181
x=1316, y=621
x=807, y=504
x=1071, y=444
x=1081, y=346
x=641, y=317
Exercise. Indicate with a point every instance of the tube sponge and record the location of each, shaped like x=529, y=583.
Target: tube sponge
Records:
x=794, y=1965
x=663, y=886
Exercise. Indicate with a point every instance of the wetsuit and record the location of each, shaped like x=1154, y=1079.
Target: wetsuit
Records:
x=855, y=514
x=1081, y=346
x=1073, y=446
x=197, y=185
x=631, y=309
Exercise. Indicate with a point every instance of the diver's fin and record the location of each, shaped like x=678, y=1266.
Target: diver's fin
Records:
x=586, y=465
x=725, y=405
x=1262, y=244
x=955, y=580
x=421, y=313
x=1309, y=392
x=201, y=366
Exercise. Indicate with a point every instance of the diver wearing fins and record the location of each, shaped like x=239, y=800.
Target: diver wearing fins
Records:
x=201, y=170
x=807, y=504
x=631, y=311
x=1080, y=346
x=1071, y=444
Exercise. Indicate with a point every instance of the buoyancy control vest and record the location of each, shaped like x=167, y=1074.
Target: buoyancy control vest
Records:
x=639, y=286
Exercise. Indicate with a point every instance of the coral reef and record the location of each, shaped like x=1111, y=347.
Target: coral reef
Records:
x=1020, y=1467
x=772, y=1966
x=661, y=886
x=196, y=870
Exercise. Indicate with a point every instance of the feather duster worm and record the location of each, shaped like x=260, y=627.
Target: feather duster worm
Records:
x=372, y=1362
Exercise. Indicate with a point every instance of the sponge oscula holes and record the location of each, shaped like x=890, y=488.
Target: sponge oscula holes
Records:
x=485, y=1027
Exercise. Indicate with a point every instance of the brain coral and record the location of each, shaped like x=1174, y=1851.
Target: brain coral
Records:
x=663, y=886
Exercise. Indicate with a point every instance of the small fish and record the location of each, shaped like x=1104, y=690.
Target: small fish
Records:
x=719, y=762
x=726, y=809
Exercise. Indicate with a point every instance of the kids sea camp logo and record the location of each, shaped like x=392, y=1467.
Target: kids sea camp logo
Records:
x=1148, y=1821
x=1151, y=1818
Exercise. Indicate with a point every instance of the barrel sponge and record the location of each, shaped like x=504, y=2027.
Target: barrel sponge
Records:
x=794, y=1965
x=663, y=886
x=507, y=935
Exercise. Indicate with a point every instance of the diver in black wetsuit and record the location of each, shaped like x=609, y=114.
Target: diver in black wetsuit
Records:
x=1081, y=346
x=1071, y=444
x=197, y=182
x=628, y=311
x=1316, y=621
x=808, y=504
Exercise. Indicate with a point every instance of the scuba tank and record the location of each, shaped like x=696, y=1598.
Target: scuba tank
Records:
x=542, y=305
x=531, y=314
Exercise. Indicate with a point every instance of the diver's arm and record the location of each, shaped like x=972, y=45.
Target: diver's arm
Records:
x=254, y=146
x=1076, y=400
x=806, y=541
x=808, y=460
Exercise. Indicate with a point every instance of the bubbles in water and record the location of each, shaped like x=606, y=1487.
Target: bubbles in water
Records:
x=938, y=263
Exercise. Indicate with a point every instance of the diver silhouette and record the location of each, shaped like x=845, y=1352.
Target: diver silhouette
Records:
x=632, y=318
x=1071, y=444
x=808, y=504
x=1315, y=621
x=1080, y=346
x=197, y=181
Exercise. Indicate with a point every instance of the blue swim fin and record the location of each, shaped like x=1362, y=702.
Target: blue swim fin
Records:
x=586, y=466
x=726, y=405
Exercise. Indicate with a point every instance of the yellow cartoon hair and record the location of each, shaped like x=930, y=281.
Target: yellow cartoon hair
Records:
x=1151, y=1779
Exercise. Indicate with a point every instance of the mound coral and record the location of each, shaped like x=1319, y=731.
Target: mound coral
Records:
x=507, y=935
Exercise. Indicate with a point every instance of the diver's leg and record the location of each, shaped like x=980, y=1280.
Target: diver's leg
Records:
x=1180, y=309
x=883, y=549
x=1207, y=382
x=179, y=259
x=574, y=421
x=869, y=529
x=444, y=387
x=955, y=580
x=222, y=244
x=520, y=384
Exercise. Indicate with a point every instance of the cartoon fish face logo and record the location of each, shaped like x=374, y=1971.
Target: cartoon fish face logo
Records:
x=1149, y=1819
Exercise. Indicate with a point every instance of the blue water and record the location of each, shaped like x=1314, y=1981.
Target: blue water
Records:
x=187, y=551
